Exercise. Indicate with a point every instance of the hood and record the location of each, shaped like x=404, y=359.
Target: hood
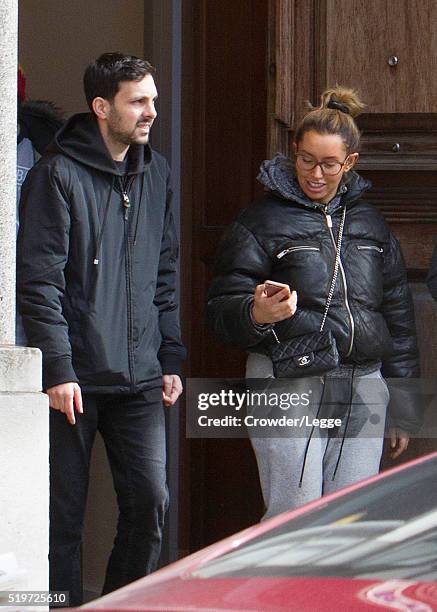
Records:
x=80, y=139
x=279, y=175
x=39, y=121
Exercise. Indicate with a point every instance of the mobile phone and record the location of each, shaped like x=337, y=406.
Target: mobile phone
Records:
x=272, y=287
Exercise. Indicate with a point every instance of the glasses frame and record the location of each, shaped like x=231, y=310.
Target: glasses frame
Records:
x=320, y=164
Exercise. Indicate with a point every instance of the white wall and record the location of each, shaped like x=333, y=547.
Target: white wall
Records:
x=24, y=464
x=24, y=484
x=59, y=38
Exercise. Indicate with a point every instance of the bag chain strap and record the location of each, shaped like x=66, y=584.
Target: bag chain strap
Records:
x=336, y=267
x=334, y=275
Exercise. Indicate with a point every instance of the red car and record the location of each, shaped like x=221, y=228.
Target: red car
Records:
x=371, y=546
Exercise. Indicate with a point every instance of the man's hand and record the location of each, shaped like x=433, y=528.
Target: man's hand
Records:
x=66, y=397
x=398, y=442
x=171, y=388
x=272, y=309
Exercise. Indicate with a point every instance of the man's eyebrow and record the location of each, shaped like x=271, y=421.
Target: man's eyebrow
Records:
x=139, y=97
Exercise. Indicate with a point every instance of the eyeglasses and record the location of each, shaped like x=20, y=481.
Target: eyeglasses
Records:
x=331, y=168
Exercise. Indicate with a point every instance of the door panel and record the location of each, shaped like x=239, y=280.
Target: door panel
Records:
x=362, y=35
x=228, y=143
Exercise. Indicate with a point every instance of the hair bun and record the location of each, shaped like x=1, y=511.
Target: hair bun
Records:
x=338, y=106
x=335, y=115
x=342, y=99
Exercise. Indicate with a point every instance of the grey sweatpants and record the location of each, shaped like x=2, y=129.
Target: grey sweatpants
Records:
x=281, y=459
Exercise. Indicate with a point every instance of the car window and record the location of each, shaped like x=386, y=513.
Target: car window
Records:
x=386, y=529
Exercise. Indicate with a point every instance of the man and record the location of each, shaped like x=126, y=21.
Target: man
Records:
x=96, y=282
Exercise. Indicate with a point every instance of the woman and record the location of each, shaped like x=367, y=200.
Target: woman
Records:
x=291, y=236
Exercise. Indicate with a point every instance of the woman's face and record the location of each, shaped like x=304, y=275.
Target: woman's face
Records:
x=329, y=152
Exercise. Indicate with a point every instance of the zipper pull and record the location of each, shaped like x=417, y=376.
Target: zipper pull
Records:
x=126, y=204
x=282, y=253
x=328, y=220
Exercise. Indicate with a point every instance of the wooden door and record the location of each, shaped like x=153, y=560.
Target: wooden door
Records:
x=226, y=142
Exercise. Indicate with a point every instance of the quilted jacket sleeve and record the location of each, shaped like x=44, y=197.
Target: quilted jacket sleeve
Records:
x=241, y=265
x=432, y=275
x=398, y=310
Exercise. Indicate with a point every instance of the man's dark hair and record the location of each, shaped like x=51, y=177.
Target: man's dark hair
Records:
x=102, y=78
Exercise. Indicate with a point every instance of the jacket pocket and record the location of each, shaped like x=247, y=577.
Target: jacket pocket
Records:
x=293, y=249
x=306, y=268
x=370, y=247
x=364, y=267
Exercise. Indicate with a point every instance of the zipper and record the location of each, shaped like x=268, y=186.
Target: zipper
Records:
x=126, y=204
x=343, y=275
x=131, y=357
x=125, y=185
x=362, y=247
x=296, y=248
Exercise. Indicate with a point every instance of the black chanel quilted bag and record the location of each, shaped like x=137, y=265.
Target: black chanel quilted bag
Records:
x=308, y=355
x=311, y=354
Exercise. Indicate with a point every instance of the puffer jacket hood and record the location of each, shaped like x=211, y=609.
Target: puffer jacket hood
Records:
x=279, y=175
x=38, y=120
x=80, y=139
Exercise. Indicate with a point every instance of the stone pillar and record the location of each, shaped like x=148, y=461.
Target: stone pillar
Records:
x=24, y=440
x=24, y=461
x=8, y=164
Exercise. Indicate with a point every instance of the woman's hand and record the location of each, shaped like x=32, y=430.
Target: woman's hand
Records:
x=272, y=309
x=398, y=442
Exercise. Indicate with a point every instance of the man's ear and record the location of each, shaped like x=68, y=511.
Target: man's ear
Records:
x=294, y=148
x=100, y=107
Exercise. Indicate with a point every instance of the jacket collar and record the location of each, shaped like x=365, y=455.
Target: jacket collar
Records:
x=80, y=139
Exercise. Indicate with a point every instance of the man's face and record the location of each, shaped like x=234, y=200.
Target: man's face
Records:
x=132, y=111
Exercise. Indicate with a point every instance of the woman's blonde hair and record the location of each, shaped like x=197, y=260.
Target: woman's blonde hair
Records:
x=335, y=115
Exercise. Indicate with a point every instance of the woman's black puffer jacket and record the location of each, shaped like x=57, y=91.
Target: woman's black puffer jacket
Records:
x=287, y=237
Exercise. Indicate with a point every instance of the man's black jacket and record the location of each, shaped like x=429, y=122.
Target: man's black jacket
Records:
x=96, y=264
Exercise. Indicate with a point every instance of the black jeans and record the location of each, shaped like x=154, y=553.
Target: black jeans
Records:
x=133, y=430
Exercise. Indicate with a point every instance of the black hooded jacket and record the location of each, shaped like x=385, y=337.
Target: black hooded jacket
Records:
x=97, y=255
x=39, y=121
x=286, y=237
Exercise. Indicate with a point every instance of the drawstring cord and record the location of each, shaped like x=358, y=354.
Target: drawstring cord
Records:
x=351, y=392
x=307, y=446
x=139, y=210
x=126, y=204
x=351, y=395
x=102, y=227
